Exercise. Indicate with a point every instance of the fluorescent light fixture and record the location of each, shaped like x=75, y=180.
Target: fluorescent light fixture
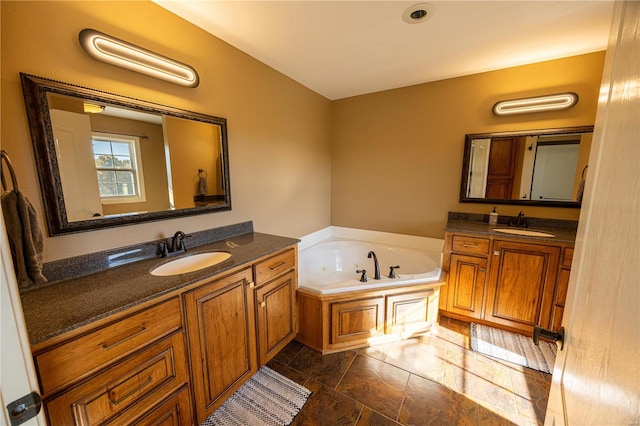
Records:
x=93, y=108
x=536, y=104
x=114, y=51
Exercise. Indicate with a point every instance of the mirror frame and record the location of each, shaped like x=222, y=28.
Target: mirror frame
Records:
x=35, y=90
x=537, y=132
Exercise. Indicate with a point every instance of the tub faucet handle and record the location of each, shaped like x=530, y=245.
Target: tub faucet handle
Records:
x=363, y=278
x=392, y=272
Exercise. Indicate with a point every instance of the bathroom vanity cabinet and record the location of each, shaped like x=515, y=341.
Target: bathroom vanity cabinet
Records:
x=275, y=303
x=220, y=322
x=173, y=359
x=226, y=342
x=122, y=370
x=511, y=283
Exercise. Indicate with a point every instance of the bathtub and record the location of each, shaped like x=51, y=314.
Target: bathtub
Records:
x=328, y=260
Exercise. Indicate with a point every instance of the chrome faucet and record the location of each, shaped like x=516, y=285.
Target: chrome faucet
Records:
x=376, y=265
x=177, y=242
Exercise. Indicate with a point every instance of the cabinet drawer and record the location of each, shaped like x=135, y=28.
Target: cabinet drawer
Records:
x=143, y=379
x=471, y=245
x=274, y=266
x=72, y=360
x=176, y=411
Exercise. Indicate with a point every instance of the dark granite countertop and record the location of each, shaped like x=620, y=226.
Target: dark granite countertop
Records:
x=564, y=230
x=56, y=308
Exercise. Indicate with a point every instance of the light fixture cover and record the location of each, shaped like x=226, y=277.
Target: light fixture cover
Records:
x=93, y=108
x=536, y=104
x=114, y=51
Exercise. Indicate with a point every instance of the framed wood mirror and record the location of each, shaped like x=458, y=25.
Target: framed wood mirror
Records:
x=109, y=160
x=531, y=167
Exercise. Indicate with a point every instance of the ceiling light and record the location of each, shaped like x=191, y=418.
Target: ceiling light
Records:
x=114, y=51
x=417, y=13
x=93, y=108
x=536, y=104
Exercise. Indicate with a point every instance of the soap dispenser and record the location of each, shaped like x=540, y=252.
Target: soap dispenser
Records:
x=493, y=217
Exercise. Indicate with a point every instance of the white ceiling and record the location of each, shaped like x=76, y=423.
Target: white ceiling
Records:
x=346, y=48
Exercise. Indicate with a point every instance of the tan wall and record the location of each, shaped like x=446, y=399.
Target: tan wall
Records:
x=278, y=130
x=397, y=155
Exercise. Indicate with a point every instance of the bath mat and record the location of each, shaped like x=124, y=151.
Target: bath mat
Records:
x=513, y=347
x=268, y=398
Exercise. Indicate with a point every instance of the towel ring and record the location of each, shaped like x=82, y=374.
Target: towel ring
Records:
x=201, y=172
x=4, y=156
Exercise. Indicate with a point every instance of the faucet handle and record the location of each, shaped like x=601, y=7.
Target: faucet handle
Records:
x=392, y=272
x=363, y=277
x=163, y=251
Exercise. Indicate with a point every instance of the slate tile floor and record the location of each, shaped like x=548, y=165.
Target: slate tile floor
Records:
x=433, y=379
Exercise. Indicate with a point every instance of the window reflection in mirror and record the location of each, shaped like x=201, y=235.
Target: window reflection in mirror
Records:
x=529, y=167
x=105, y=155
x=106, y=160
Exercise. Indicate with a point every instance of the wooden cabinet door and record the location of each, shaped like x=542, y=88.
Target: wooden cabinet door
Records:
x=221, y=330
x=410, y=312
x=465, y=285
x=356, y=320
x=521, y=284
x=502, y=166
x=275, y=311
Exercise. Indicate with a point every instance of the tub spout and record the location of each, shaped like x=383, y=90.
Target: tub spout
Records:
x=363, y=277
x=375, y=264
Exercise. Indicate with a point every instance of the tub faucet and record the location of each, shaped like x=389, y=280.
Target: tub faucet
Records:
x=375, y=264
x=177, y=243
x=363, y=276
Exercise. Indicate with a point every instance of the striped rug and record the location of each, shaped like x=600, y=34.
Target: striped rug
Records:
x=513, y=347
x=268, y=398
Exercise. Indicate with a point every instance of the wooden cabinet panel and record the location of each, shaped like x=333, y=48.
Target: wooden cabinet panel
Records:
x=221, y=330
x=521, y=284
x=466, y=284
x=562, y=284
x=175, y=411
x=79, y=357
x=567, y=257
x=140, y=380
x=408, y=312
x=356, y=320
x=275, y=306
x=274, y=266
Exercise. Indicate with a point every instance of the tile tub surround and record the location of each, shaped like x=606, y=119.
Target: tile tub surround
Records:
x=63, y=306
x=564, y=230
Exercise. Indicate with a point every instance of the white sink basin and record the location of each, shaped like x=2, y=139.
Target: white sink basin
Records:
x=525, y=232
x=190, y=263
